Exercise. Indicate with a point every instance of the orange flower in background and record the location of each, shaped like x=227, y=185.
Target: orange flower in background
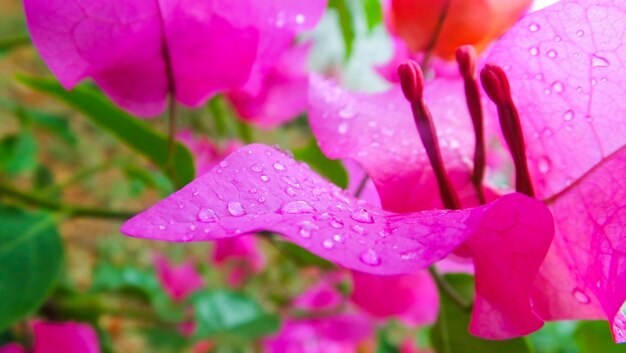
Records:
x=441, y=26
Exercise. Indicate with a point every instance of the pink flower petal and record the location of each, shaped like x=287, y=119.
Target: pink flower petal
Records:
x=323, y=296
x=12, y=348
x=211, y=45
x=336, y=334
x=260, y=188
x=283, y=93
x=68, y=337
x=413, y=298
x=379, y=133
x=178, y=281
x=566, y=65
x=243, y=248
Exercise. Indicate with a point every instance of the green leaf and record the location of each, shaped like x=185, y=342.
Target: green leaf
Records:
x=450, y=332
x=556, y=337
x=165, y=340
x=135, y=133
x=19, y=153
x=373, y=13
x=595, y=337
x=7, y=44
x=55, y=124
x=384, y=345
x=31, y=255
x=300, y=256
x=226, y=313
x=346, y=23
x=315, y=158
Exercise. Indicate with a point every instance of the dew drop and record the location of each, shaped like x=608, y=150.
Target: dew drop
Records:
x=306, y=229
x=383, y=234
x=265, y=178
x=300, y=19
x=362, y=216
x=328, y=244
x=223, y=164
x=533, y=51
x=568, y=115
x=290, y=192
x=370, y=257
x=261, y=199
x=338, y=238
x=598, y=61
x=162, y=227
x=358, y=229
x=547, y=91
x=557, y=38
x=581, y=296
x=207, y=215
x=192, y=227
x=291, y=182
x=296, y=207
x=348, y=111
x=235, y=209
x=557, y=87
x=552, y=54
x=539, y=77
x=533, y=27
x=256, y=168
x=580, y=33
x=252, y=190
x=342, y=128
x=543, y=164
x=279, y=166
x=336, y=223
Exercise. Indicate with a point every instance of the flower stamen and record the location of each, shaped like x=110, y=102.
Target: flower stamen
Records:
x=412, y=82
x=466, y=59
x=496, y=85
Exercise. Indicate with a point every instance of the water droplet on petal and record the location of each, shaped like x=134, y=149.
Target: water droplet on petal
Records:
x=235, y=209
x=581, y=296
x=342, y=128
x=296, y=207
x=580, y=33
x=370, y=257
x=557, y=87
x=358, y=229
x=533, y=51
x=162, y=227
x=192, y=227
x=557, y=38
x=256, y=168
x=338, y=238
x=300, y=18
x=362, y=216
x=598, y=61
x=261, y=199
x=544, y=164
x=328, y=244
x=533, y=27
x=552, y=53
x=336, y=223
x=207, y=215
x=265, y=178
x=223, y=164
x=307, y=228
x=290, y=191
x=568, y=115
x=383, y=234
x=348, y=112
x=279, y=166
x=291, y=182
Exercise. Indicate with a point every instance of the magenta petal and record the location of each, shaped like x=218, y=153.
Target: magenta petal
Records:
x=243, y=248
x=323, y=296
x=566, y=66
x=335, y=334
x=260, y=188
x=413, y=298
x=66, y=337
x=508, y=250
x=12, y=348
x=283, y=92
x=585, y=273
x=178, y=281
x=379, y=133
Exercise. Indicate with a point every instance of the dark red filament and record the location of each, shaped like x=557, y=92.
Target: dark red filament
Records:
x=466, y=59
x=412, y=81
x=496, y=85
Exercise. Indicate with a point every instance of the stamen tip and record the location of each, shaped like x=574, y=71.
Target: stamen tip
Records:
x=466, y=59
x=411, y=80
x=495, y=83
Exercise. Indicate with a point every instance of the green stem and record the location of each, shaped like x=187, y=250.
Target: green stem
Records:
x=74, y=179
x=447, y=288
x=69, y=209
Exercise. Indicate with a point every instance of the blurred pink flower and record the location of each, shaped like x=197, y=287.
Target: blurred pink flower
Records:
x=60, y=337
x=178, y=281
